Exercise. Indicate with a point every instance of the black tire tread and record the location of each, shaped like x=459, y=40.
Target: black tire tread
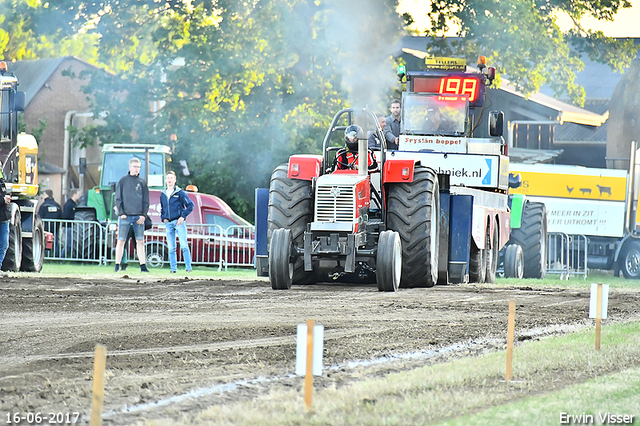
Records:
x=492, y=265
x=384, y=262
x=477, y=264
x=631, y=248
x=29, y=262
x=409, y=213
x=532, y=237
x=291, y=207
x=511, y=261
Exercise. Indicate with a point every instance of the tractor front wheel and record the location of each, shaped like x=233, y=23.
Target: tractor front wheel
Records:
x=280, y=265
x=389, y=261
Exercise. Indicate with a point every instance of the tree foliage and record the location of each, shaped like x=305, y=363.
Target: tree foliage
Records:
x=522, y=38
x=241, y=84
x=235, y=86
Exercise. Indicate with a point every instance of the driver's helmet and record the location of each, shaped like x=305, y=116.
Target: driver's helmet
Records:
x=351, y=136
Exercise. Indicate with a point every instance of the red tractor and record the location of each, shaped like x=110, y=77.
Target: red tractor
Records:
x=326, y=223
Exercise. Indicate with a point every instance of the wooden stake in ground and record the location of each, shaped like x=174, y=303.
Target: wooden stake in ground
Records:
x=308, y=380
x=598, y=315
x=98, y=385
x=510, y=332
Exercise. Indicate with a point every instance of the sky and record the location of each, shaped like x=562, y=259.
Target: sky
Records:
x=625, y=23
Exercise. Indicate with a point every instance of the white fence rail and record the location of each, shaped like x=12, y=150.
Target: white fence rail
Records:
x=209, y=244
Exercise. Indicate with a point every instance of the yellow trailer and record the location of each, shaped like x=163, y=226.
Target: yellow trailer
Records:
x=591, y=202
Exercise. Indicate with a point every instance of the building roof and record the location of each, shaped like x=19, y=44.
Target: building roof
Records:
x=570, y=133
x=33, y=75
x=566, y=113
x=49, y=169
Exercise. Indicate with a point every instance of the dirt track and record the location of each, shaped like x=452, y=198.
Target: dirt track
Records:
x=203, y=342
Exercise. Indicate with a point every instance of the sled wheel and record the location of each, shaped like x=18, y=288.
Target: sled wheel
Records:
x=477, y=264
x=492, y=256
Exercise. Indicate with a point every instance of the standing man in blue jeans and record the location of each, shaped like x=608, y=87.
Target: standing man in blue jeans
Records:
x=132, y=206
x=175, y=206
x=5, y=216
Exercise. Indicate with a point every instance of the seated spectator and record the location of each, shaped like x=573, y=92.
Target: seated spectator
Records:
x=374, y=140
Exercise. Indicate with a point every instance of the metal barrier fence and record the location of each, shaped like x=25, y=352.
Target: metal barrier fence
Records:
x=567, y=255
x=76, y=240
x=209, y=244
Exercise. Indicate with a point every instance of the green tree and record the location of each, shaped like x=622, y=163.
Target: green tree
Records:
x=522, y=39
x=242, y=85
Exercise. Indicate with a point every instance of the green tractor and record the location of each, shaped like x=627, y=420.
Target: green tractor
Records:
x=115, y=165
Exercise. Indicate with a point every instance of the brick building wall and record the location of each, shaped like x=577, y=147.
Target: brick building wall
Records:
x=53, y=101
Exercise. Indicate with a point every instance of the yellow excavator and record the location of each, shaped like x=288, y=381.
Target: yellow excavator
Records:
x=19, y=158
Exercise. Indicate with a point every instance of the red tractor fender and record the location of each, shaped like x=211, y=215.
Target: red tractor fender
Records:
x=304, y=166
x=399, y=170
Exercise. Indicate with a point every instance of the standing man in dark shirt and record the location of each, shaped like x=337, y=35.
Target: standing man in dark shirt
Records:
x=132, y=205
x=392, y=131
x=68, y=212
x=71, y=204
x=49, y=208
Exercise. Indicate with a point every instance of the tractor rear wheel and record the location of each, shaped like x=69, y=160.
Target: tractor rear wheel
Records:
x=513, y=262
x=413, y=209
x=280, y=265
x=13, y=256
x=33, y=249
x=532, y=237
x=291, y=207
x=389, y=261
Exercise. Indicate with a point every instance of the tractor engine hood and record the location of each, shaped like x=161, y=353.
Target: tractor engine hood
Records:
x=341, y=199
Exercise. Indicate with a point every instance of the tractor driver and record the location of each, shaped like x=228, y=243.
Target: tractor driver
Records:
x=435, y=121
x=347, y=157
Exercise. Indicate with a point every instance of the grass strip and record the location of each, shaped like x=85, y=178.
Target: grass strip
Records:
x=565, y=370
x=84, y=270
x=590, y=402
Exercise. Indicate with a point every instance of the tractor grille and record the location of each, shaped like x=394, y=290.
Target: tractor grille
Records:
x=335, y=203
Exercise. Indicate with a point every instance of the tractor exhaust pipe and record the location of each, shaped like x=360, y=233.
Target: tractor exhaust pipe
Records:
x=363, y=157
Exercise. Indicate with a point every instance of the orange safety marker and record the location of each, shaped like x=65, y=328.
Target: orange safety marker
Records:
x=308, y=379
x=510, y=332
x=598, y=315
x=98, y=385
